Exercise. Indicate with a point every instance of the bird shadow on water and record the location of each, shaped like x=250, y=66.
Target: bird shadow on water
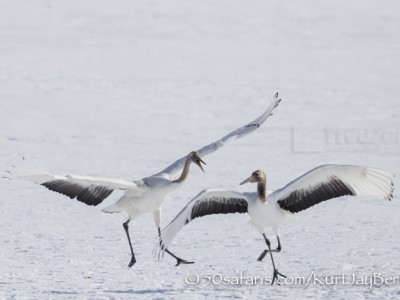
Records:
x=63, y=293
x=141, y=292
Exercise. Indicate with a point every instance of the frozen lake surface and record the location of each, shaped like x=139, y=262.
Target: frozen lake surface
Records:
x=122, y=89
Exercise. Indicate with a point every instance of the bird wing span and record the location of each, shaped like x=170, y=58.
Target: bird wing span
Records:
x=238, y=133
x=90, y=190
x=208, y=202
x=332, y=181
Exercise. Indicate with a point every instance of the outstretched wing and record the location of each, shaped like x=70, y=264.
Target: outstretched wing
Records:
x=208, y=202
x=178, y=165
x=332, y=181
x=90, y=190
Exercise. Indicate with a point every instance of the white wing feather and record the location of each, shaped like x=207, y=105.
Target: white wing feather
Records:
x=31, y=171
x=111, y=183
x=178, y=165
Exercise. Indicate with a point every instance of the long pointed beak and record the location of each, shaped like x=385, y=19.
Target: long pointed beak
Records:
x=247, y=180
x=199, y=162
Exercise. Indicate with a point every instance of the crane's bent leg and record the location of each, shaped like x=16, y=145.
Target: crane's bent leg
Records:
x=133, y=259
x=178, y=259
x=157, y=219
x=276, y=273
x=278, y=249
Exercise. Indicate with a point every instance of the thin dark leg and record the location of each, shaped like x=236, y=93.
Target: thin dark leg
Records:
x=178, y=260
x=278, y=249
x=276, y=273
x=133, y=260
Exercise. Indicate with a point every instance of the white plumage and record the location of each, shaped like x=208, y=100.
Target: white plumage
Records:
x=141, y=196
x=274, y=208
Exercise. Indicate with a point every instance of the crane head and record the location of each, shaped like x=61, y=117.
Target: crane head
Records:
x=194, y=156
x=256, y=176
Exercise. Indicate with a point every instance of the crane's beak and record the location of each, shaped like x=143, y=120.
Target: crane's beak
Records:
x=198, y=162
x=250, y=179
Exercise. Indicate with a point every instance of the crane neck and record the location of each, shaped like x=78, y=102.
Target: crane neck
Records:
x=262, y=190
x=185, y=171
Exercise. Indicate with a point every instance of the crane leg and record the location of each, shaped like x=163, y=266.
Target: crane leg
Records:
x=278, y=249
x=276, y=273
x=157, y=219
x=133, y=259
x=178, y=259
